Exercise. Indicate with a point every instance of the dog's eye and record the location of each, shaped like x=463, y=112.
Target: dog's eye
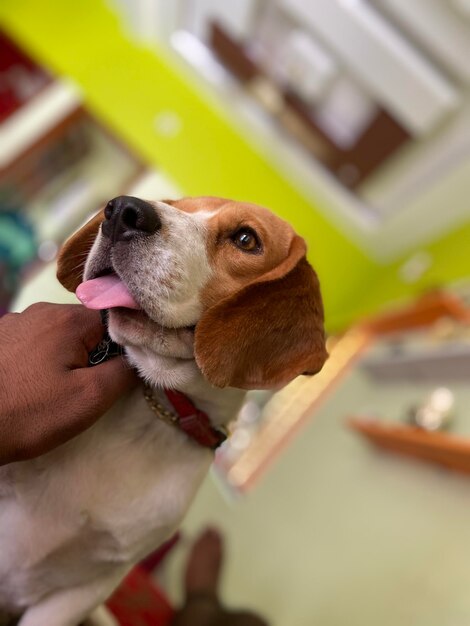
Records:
x=246, y=240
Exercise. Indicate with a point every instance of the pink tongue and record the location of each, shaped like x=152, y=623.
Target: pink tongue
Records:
x=105, y=293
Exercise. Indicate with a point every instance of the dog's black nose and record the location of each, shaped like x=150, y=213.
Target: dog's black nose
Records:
x=127, y=217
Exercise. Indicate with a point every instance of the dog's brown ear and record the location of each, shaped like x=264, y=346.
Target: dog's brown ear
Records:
x=267, y=333
x=74, y=252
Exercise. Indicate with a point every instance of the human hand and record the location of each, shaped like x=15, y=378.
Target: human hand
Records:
x=48, y=394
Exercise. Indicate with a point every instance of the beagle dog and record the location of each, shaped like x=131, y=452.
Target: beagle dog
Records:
x=209, y=298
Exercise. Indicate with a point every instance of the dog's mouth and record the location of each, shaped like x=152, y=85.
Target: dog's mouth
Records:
x=106, y=291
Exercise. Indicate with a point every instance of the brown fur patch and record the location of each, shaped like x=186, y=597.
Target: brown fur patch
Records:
x=74, y=252
x=234, y=268
x=268, y=332
x=200, y=203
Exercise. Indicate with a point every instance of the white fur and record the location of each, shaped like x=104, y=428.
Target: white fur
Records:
x=74, y=521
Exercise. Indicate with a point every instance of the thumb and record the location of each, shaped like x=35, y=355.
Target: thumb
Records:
x=110, y=380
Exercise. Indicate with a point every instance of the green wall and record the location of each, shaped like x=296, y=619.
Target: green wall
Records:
x=127, y=85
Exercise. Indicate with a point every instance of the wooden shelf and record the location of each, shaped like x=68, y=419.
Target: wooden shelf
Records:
x=448, y=450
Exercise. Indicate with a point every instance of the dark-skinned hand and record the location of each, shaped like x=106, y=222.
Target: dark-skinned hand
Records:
x=48, y=394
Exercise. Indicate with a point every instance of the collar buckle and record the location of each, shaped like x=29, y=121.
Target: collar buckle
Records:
x=198, y=427
x=193, y=422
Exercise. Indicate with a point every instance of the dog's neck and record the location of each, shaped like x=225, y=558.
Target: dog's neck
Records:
x=167, y=362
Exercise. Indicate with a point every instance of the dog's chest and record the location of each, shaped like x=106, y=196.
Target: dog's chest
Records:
x=103, y=500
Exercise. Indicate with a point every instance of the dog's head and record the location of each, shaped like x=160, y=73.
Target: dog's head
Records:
x=234, y=271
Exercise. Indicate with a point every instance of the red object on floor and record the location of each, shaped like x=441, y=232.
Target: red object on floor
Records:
x=153, y=560
x=139, y=602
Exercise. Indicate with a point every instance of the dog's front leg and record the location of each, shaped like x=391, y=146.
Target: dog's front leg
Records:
x=69, y=607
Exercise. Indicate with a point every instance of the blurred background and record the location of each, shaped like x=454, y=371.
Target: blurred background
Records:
x=350, y=119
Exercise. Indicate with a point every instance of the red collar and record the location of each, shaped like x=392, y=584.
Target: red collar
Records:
x=188, y=418
x=193, y=422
